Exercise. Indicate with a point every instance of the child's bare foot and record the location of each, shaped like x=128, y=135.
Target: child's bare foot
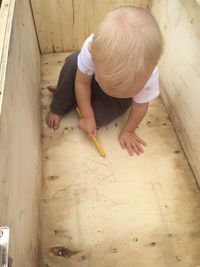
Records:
x=51, y=88
x=53, y=120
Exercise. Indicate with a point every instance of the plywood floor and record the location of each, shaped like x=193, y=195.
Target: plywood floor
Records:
x=118, y=211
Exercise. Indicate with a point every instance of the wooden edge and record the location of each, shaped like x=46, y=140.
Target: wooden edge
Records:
x=6, y=19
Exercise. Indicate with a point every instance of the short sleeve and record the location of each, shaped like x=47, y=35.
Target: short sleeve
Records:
x=151, y=89
x=85, y=63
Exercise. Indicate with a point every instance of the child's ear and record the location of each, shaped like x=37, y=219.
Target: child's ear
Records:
x=89, y=47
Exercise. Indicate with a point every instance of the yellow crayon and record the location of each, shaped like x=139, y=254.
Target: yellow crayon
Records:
x=94, y=139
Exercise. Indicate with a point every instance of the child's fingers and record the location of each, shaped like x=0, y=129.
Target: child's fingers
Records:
x=135, y=149
x=95, y=132
x=130, y=149
x=141, y=141
x=122, y=143
x=51, y=124
x=90, y=133
x=139, y=147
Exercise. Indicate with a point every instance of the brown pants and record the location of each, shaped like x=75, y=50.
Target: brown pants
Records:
x=106, y=108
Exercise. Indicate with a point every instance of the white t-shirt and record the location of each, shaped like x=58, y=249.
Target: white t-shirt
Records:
x=148, y=93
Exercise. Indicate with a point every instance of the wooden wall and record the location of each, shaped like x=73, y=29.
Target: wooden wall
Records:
x=180, y=71
x=3, y=21
x=20, y=156
x=63, y=25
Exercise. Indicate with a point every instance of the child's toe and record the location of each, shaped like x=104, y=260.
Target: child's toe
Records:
x=56, y=124
x=51, y=88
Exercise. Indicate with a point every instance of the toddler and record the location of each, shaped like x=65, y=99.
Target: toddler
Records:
x=115, y=69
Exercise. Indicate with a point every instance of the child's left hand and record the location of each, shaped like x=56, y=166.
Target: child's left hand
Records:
x=131, y=142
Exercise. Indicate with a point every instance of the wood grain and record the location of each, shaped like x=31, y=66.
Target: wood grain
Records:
x=63, y=25
x=20, y=146
x=6, y=17
x=179, y=21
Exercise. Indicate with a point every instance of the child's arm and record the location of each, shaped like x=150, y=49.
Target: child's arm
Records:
x=128, y=138
x=83, y=98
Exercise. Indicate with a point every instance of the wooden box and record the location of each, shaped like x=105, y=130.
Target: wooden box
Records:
x=63, y=203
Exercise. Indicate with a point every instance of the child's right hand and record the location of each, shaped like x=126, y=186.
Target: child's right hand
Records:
x=88, y=125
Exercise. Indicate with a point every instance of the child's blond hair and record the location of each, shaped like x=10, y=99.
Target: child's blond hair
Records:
x=127, y=42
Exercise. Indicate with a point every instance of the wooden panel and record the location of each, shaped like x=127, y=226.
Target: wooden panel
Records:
x=180, y=71
x=6, y=16
x=63, y=25
x=3, y=22
x=117, y=211
x=20, y=148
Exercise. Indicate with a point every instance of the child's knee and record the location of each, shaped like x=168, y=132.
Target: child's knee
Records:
x=101, y=120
